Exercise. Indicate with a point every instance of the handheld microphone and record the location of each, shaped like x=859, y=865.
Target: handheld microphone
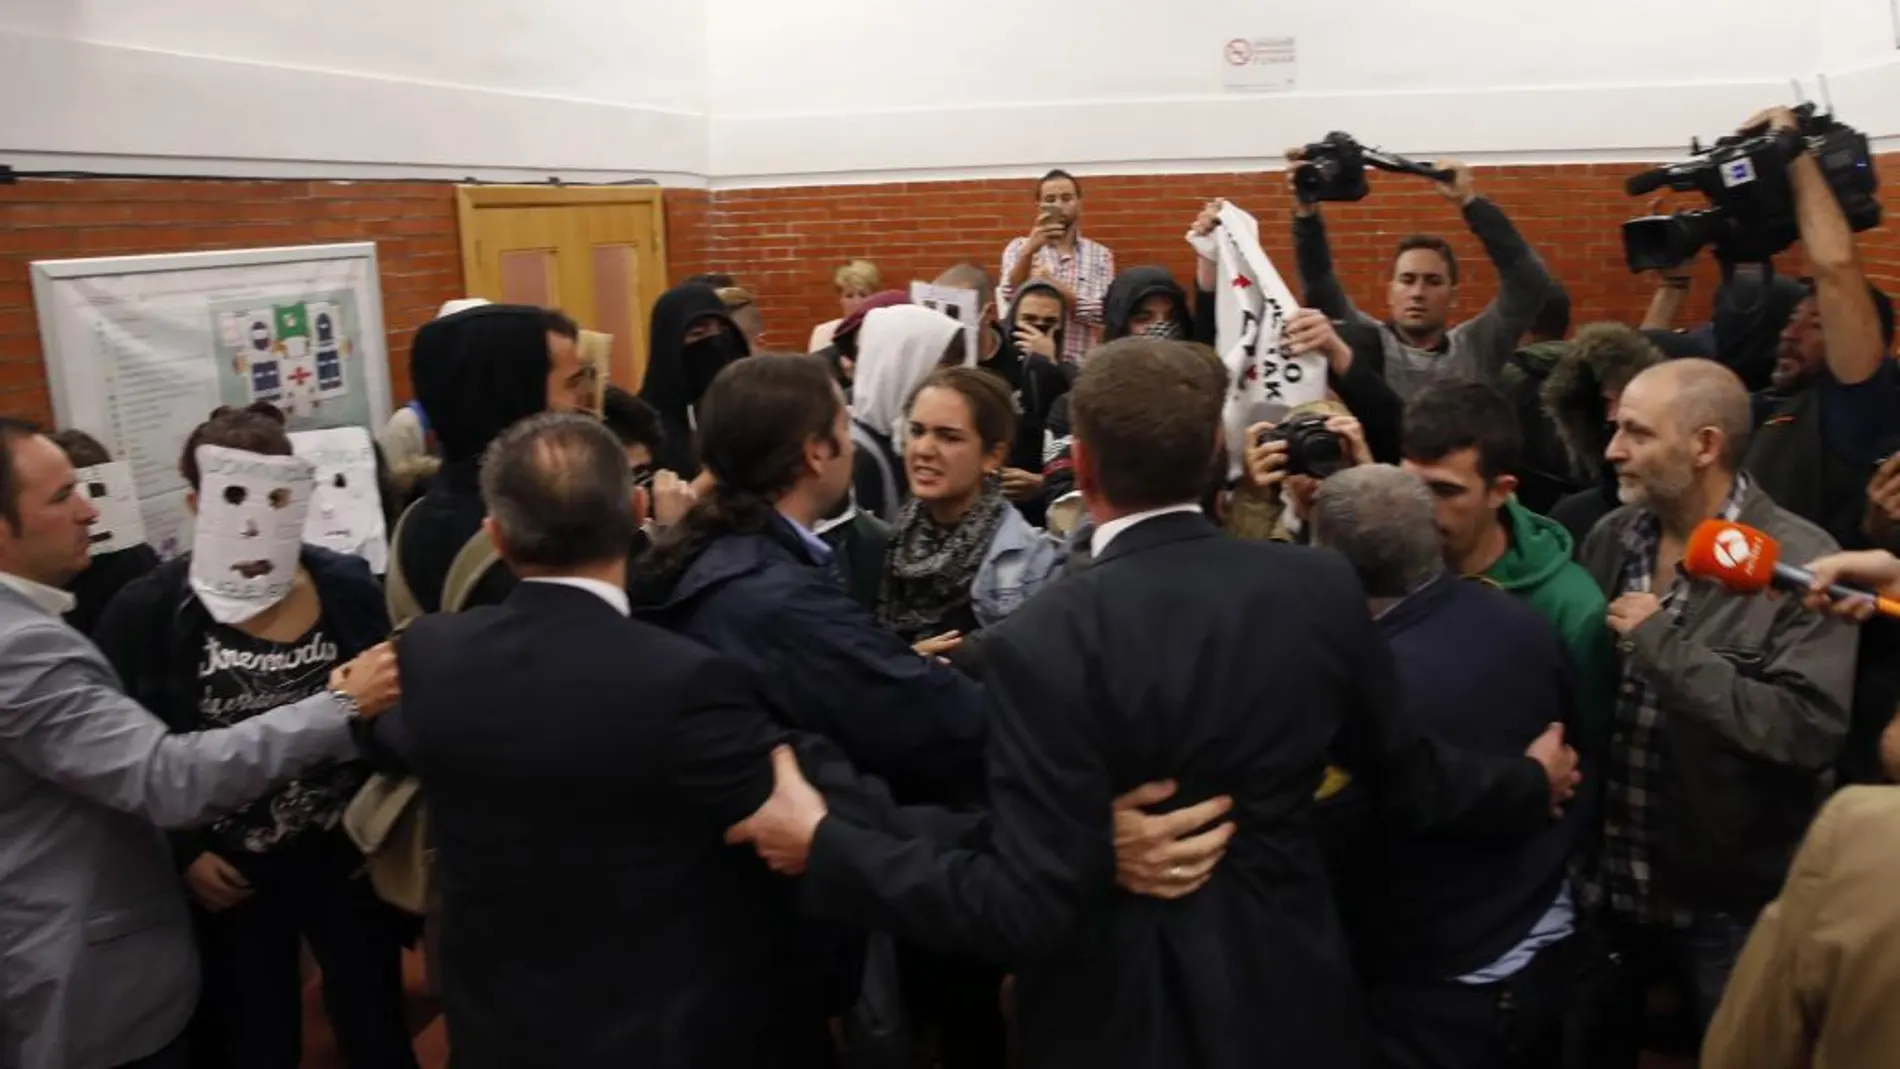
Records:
x=1746, y=561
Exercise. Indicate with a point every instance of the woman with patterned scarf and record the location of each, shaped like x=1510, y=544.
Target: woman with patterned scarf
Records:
x=962, y=557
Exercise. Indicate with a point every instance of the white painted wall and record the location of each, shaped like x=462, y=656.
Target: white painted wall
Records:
x=501, y=88
x=765, y=92
x=1115, y=84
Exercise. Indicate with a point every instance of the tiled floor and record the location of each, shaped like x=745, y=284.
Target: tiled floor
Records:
x=432, y=1045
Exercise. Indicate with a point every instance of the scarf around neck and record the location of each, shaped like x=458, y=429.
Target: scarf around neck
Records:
x=929, y=567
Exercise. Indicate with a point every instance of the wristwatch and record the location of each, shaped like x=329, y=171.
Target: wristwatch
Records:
x=350, y=709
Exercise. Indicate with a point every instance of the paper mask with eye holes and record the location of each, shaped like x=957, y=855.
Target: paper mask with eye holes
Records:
x=346, y=507
x=109, y=487
x=249, y=529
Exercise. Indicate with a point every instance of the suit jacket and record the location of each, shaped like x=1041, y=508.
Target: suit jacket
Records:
x=1818, y=980
x=97, y=962
x=1230, y=667
x=581, y=769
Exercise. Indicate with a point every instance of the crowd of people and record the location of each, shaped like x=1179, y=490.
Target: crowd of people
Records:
x=914, y=701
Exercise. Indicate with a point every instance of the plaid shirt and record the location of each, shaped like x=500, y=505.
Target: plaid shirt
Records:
x=1635, y=762
x=1087, y=272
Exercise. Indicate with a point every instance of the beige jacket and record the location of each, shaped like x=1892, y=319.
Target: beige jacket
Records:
x=1819, y=983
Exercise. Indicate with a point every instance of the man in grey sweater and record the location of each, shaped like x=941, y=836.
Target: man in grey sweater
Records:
x=1419, y=345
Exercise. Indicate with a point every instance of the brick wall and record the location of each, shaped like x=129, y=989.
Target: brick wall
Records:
x=412, y=223
x=785, y=242
x=688, y=232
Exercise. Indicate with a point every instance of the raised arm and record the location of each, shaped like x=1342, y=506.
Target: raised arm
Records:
x=1523, y=280
x=1317, y=280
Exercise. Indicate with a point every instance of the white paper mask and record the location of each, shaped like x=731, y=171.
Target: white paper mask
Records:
x=120, y=524
x=250, y=526
x=960, y=305
x=346, y=507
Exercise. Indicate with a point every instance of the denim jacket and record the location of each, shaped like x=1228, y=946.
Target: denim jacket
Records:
x=1021, y=559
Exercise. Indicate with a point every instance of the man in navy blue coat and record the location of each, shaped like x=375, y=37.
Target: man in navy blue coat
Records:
x=1464, y=939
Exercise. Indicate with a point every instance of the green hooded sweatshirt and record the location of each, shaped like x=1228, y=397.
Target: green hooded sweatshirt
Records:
x=1538, y=568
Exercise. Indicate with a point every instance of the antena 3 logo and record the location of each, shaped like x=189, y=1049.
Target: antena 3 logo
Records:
x=1734, y=549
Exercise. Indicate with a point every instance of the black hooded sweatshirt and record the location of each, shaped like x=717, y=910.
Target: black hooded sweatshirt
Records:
x=1136, y=285
x=1038, y=384
x=677, y=375
x=1125, y=294
x=476, y=373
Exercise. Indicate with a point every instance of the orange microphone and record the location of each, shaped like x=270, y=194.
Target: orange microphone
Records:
x=1747, y=561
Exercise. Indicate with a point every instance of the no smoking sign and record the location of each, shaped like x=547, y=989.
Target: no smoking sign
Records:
x=1259, y=64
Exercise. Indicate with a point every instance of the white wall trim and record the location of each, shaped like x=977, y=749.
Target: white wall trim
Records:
x=143, y=103
x=325, y=170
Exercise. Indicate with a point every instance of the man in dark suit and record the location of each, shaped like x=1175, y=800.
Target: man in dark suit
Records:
x=1227, y=667
x=581, y=768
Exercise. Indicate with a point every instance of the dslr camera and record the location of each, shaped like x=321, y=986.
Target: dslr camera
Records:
x=1751, y=214
x=1335, y=169
x=1311, y=449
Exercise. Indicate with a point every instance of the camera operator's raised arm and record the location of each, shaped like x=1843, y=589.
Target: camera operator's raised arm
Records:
x=1420, y=344
x=1849, y=322
x=1319, y=286
x=1523, y=281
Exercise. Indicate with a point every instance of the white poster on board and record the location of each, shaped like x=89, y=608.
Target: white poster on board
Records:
x=140, y=349
x=346, y=507
x=110, y=488
x=964, y=306
x=1259, y=65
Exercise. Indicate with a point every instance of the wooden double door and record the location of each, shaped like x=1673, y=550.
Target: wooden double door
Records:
x=596, y=253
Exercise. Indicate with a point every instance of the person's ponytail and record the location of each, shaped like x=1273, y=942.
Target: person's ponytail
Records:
x=755, y=421
x=725, y=511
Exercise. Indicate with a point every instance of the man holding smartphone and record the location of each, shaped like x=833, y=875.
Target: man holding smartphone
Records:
x=1056, y=252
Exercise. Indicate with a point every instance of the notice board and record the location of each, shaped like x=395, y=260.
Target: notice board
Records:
x=140, y=349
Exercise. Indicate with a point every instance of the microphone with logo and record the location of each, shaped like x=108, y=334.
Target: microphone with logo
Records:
x=1746, y=561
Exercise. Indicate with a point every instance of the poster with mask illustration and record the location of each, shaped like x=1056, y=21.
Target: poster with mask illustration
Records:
x=250, y=524
x=964, y=306
x=346, y=505
x=296, y=356
x=1252, y=306
x=110, y=489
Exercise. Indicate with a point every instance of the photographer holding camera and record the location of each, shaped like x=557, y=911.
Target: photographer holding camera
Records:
x=1419, y=346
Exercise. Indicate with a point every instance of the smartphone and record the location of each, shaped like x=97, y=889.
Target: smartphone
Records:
x=1050, y=215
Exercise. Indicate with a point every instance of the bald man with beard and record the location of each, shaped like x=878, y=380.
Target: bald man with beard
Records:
x=1747, y=696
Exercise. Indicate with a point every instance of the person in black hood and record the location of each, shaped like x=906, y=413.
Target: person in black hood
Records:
x=477, y=372
x=690, y=340
x=1141, y=301
x=1147, y=300
x=1021, y=350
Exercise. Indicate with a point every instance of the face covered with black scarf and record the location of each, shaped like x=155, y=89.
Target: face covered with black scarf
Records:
x=691, y=341
x=1145, y=301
